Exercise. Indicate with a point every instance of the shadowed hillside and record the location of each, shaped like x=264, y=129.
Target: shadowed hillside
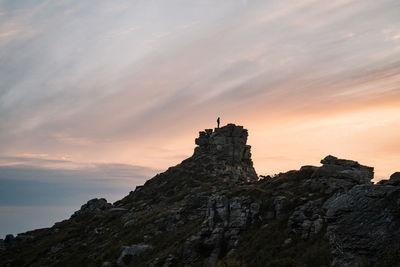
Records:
x=213, y=210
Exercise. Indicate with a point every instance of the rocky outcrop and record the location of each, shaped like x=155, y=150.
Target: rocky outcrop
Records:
x=225, y=154
x=348, y=169
x=307, y=220
x=224, y=221
x=228, y=143
x=363, y=223
x=93, y=205
x=394, y=180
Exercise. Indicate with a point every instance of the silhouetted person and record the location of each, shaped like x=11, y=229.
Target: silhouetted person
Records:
x=218, y=120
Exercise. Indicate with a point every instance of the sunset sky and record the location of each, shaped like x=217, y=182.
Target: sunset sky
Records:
x=98, y=96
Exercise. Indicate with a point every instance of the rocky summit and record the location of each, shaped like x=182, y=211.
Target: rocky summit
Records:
x=213, y=210
x=223, y=154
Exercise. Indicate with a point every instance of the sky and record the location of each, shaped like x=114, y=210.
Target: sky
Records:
x=96, y=97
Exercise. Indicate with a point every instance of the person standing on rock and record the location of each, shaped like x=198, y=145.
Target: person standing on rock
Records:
x=218, y=121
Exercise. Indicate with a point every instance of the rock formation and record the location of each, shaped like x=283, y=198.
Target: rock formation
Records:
x=225, y=143
x=212, y=210
x=93, y=206
x=224, y=154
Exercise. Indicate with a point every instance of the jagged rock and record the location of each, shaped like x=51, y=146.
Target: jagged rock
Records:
x=226, y=153
x=228, y=142
x=225, y=220
x=306, y=220
x=332, y=160
x=347, y=169
x=128, y=253
x=93, y=205
x=362, y=223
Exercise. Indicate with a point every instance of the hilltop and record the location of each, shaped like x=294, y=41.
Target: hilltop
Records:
x=213, y=210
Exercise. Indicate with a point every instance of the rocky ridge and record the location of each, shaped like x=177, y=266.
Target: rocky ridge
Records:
x=213, y=210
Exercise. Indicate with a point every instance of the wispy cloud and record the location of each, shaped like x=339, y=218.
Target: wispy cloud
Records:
x=133, y=82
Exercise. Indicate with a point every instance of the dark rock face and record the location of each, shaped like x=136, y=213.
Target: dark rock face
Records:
x=225, y=154
x=212, y=210
x=307, y=220
x=220, y=232
x=362, y=223
x=228, y=142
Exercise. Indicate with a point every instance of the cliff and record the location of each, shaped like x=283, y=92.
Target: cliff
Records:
x=213, y=210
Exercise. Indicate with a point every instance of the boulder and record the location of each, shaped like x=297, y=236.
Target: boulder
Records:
x=93, y=205
x=331, y=160
x=345, y=169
